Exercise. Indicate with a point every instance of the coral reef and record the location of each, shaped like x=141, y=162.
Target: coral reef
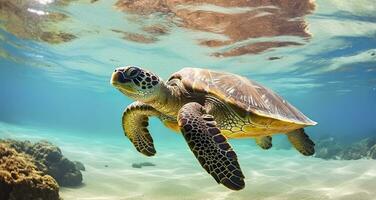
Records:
x=20, y=178
x=49, y=159
x=329, y=148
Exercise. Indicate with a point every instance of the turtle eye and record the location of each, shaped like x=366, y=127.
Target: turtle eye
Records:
x=133, y=72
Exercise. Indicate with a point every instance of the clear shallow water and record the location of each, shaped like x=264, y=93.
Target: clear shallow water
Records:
x=61, y=92
x=272, y=174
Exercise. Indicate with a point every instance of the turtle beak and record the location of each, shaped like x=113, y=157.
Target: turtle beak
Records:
x=118, y=76
x=120, y=81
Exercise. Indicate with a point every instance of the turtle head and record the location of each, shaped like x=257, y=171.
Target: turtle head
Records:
x=136, y=82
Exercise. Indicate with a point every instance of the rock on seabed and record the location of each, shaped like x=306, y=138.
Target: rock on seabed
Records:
x=49, y=159
x=330, y=148
x=20, y=178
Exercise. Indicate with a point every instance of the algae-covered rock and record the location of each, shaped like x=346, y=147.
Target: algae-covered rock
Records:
x=328, y=148
x=20, y=179
x=65, y=172
x=79, y=165
x=359, y=149
x=46, y=151
x=372, y=152
x=49, y=159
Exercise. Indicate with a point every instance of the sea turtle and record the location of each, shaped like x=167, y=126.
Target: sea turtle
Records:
x=209, y=107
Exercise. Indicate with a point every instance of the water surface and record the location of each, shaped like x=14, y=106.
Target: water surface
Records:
x=56, y=59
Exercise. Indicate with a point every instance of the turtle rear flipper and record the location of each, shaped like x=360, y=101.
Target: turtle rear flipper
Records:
x=265, y=142
x=135, y=122
x=301, y=141
x=209, y=146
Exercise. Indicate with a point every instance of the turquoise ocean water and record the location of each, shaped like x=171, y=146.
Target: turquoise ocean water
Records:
x=61, y=91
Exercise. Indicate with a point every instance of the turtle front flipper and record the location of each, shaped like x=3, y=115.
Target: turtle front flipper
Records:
x=301, y=141
x=209, y=146
x=135, y=121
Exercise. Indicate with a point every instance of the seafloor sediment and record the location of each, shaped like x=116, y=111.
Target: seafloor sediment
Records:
x=176, y=174
x=272, y=174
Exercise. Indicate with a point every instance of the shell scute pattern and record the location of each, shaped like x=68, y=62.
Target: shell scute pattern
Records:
x=246, y=94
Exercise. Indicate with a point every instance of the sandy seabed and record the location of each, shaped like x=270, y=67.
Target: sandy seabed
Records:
x=270, y=175
x=276, y=174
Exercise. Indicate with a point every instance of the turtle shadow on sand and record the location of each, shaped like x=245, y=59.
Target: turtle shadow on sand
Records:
x=143, y=164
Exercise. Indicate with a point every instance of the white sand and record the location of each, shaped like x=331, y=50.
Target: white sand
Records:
x=273, y=174
x=270, y=175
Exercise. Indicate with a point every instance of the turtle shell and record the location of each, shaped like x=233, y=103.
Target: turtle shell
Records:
x=241, y=92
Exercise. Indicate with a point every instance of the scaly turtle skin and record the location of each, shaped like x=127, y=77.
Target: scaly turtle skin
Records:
x=209, y=107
